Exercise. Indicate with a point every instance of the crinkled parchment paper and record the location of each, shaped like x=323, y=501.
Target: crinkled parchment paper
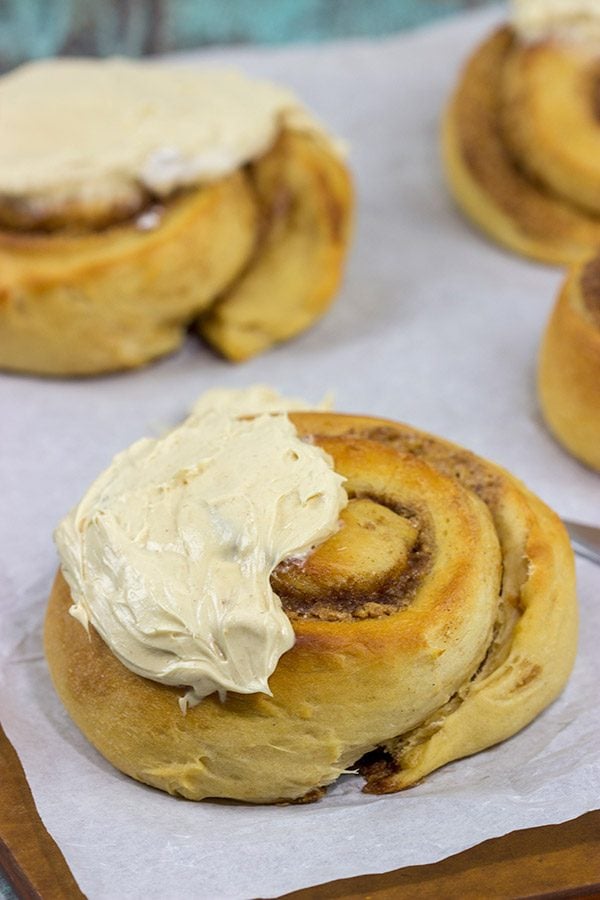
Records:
x=434, y=326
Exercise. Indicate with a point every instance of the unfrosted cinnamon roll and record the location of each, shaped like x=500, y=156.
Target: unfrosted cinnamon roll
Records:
x=137, y=201
x=521, y=136
x=436, y=619
x=569, y=365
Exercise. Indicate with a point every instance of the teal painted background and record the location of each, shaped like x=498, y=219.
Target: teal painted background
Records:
x=36, y=28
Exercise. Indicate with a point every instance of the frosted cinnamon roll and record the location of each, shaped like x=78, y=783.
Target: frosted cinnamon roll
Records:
x=137, y=201
x=569, y=365
x=521, y=136
x=380, y=601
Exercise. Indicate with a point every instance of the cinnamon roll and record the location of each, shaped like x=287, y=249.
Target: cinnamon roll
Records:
x=521, y=136
x=427, y=612
x=569, y=365
x=138, y=201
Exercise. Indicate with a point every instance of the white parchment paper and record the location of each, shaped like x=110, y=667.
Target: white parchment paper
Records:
x=434, y=326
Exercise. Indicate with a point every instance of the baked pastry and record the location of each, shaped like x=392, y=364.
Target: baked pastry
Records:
x=437, y=619
x=569, y=365
x=508, y=164
x=137, y=201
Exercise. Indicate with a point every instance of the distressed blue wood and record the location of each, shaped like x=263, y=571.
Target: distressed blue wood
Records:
x=275, y=21
x=30, y=29
x=6, y=892
x=33, y=28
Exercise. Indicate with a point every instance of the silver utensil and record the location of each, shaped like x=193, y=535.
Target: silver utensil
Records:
x=585, y=540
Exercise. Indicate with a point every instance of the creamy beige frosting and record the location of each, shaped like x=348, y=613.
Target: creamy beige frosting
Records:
x=170, y=552
x=569, y=19
x=83, y=130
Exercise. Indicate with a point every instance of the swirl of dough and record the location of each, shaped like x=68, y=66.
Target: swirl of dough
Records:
x=507, y=161
x=198, y=200
x=438, y=620
x=549, y=91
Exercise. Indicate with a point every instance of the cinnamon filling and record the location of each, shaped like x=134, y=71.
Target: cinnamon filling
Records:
x=323, y=586
x=24, y=218
x=459, y=465
x=372, y=567
x=590, y=288
x=595, y=81
x=21, y=217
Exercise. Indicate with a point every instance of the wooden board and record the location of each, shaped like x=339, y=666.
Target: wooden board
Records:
x=554, y=861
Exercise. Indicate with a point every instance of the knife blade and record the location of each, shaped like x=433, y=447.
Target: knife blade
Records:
x=585, y=540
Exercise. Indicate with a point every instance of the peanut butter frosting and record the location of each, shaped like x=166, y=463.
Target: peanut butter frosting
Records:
x=100, y=132
x=577, y=20
x=170, y=552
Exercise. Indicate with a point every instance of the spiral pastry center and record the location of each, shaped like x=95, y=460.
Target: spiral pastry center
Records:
x=369, y=568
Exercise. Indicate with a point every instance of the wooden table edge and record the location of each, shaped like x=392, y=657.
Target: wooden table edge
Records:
x=551, y=861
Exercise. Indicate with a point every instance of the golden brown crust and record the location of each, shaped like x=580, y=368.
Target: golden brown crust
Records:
x=487, y=167
x=549, y=92
x=304, y=199
x=80, y=305
x=118, y=297
x=569, y=365
x=482, y=644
